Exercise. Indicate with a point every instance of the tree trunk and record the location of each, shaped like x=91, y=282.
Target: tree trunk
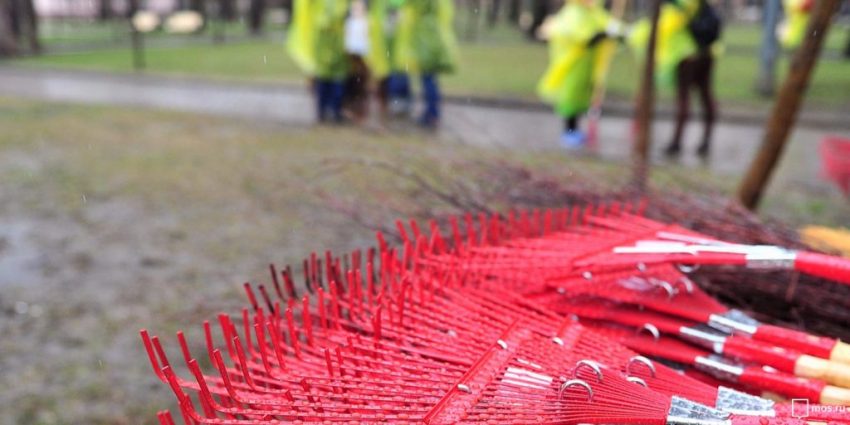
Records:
x=132, y=8
x=256, y=13
x=539, y=11
x=847, y=45
x=22, y=24
x=766, y=84
x=514, y=10
x=30, y=20
x=287, y=7
x=472, y=18
x=493, y=13
x=787, y=105
x=15, y=25
x=198, y=6
x=8, y=43
x=105, y=10
x=227, y=10
x=136, y=37
x=645, y=108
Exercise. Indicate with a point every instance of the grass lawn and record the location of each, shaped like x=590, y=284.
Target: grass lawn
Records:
x=500, y=63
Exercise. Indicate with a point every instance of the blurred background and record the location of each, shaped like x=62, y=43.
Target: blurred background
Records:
x=155, y=154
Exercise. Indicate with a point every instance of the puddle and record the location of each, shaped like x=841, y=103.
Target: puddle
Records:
x=19, y=255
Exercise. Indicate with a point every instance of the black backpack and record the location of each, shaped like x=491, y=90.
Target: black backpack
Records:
x=706, y=25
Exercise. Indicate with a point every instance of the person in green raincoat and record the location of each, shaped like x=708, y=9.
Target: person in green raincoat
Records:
x=796, y=19
x=389, y=31
x=429, y=48
x=688, y=34
x=316, y=42
x=578, y=35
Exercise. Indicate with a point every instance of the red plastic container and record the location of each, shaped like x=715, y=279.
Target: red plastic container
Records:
x=835, y=155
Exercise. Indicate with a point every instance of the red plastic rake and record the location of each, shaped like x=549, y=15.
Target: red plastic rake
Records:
x=438, y=332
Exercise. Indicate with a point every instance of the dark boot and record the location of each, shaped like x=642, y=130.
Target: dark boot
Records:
x=704, y=150
x=673, y=150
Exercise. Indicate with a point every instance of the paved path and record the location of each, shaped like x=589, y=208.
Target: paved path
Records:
x=509, y=128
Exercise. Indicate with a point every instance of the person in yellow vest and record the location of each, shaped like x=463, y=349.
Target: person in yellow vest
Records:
x=688, y=41
x=429, y=48
x=793, y=29
x=316, y=42
x=580, y=38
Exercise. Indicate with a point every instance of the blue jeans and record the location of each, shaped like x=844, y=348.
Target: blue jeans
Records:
x=329, y=95
x=398, y=86
x=431, y=96
x=399, y=95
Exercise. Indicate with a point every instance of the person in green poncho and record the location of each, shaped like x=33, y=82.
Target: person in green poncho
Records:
x=688, y=41
x=389, y=31
x=429, y=49
x=796, y=19
x=316, y=42
x=578, y=49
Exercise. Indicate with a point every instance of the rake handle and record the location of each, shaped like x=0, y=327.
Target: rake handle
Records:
x=782, y=383
x=745, y=349
x=831, y=372
x=805, y=343
x=825, y=266
x=789, y=361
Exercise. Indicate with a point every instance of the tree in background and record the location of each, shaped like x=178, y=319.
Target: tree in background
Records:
x=8, y=45
x=18, y=26
x=105, y=10
x=493, y=13
x=514, y=10
x=200, y=7
x=30, y=19
x=227, y=10
x=539, y=11
x=847, y=46
x=788, y=102
x=256, y=15
x=132, y=8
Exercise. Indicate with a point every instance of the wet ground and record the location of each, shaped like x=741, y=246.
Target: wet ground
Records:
x=520, y=128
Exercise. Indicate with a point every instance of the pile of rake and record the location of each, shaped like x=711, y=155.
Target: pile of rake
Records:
x=577, y=316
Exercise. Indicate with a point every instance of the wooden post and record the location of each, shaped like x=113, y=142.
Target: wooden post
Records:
x=787, y=105
x=645, y=107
